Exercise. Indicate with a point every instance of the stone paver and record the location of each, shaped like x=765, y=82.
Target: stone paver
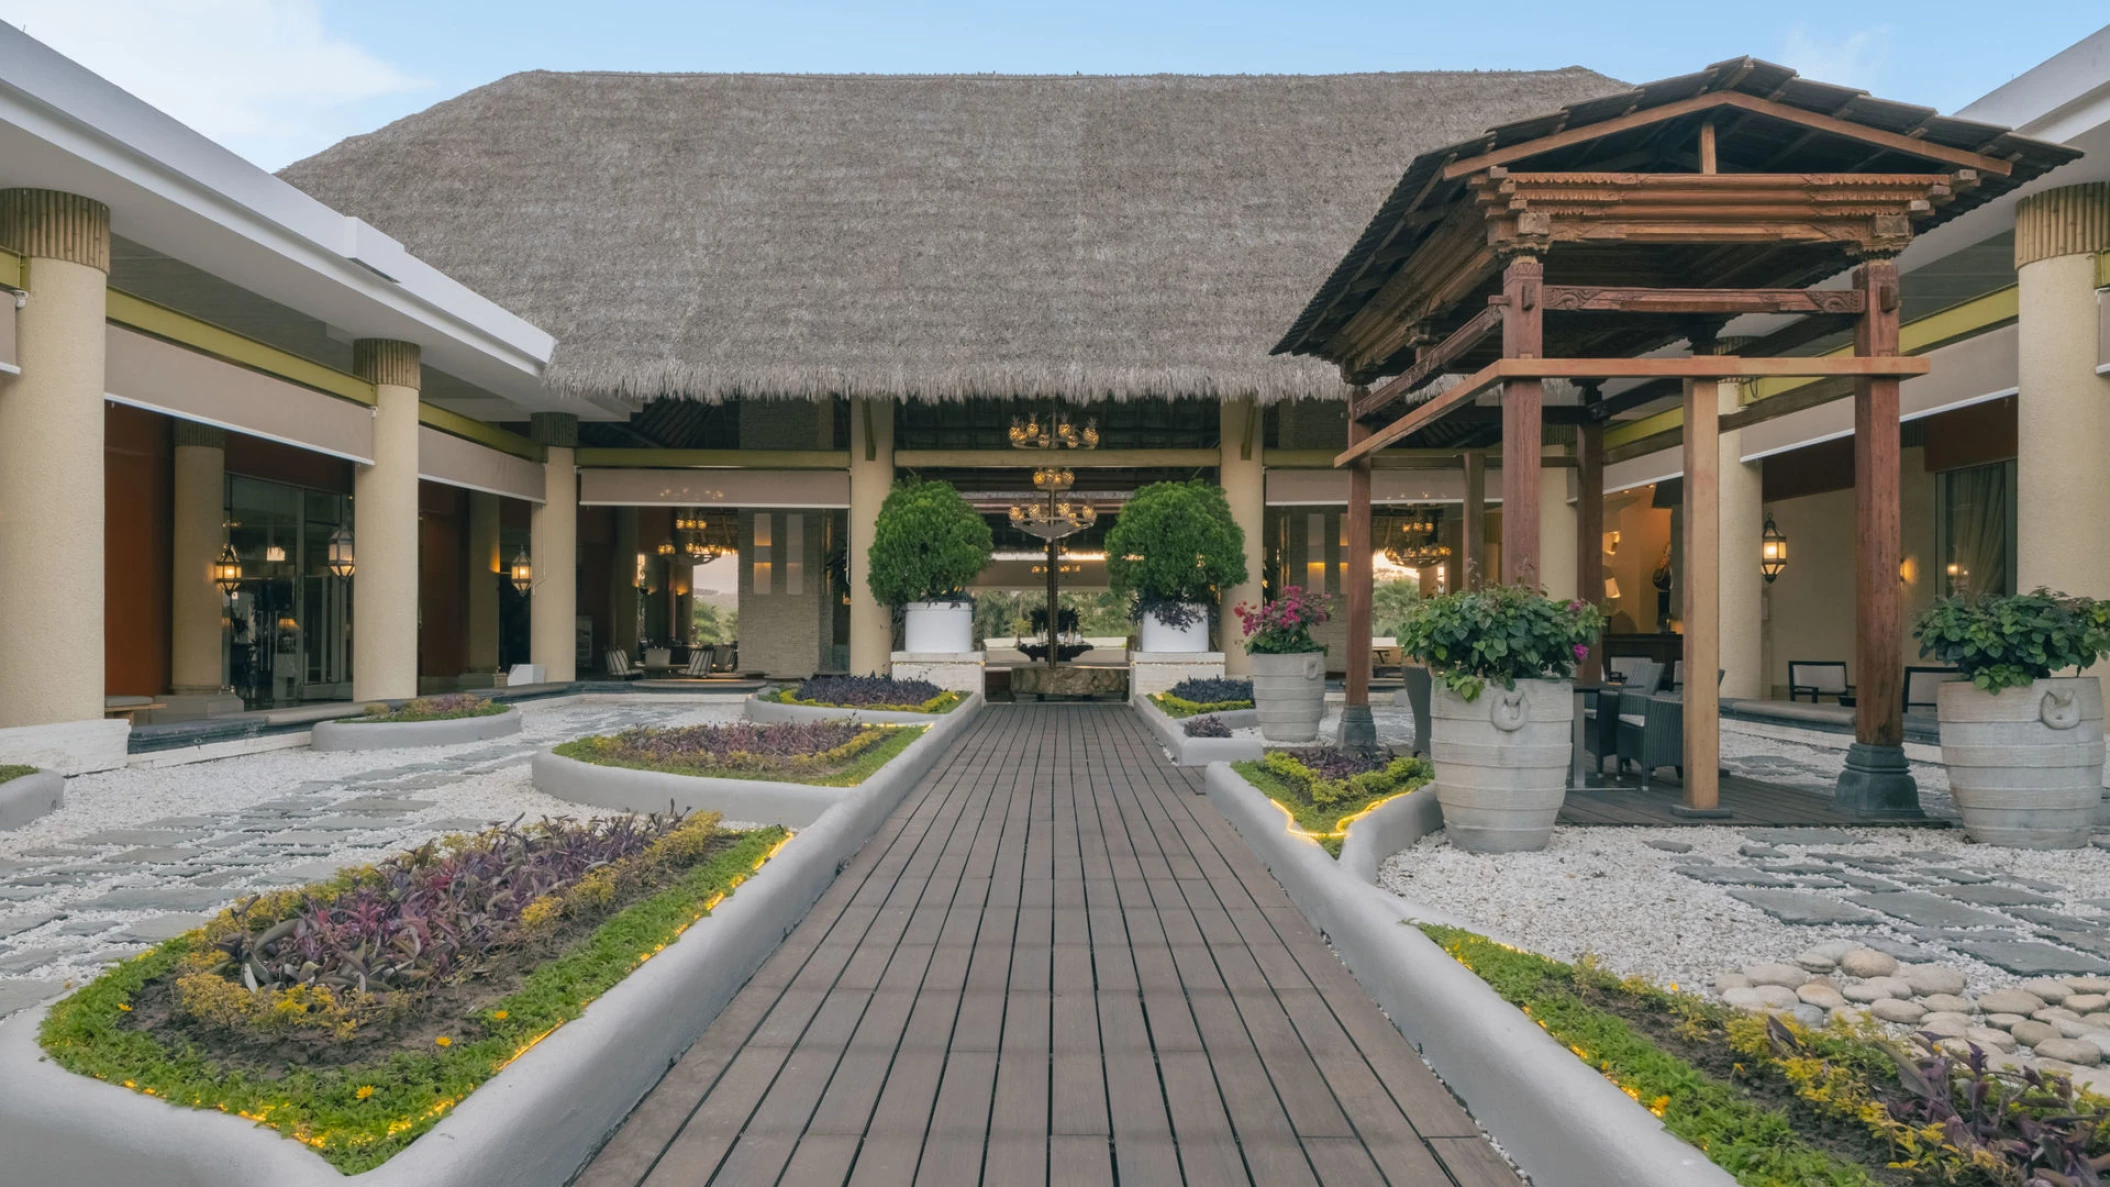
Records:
x=1800, y=906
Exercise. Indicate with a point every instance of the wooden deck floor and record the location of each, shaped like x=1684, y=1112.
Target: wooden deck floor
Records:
x=1055, y=964
x=1748, y=801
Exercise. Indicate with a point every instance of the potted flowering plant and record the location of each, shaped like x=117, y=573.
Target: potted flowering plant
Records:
x=928, y=544
x=1289, y=666
x=1501, y=708
x=2023, y=747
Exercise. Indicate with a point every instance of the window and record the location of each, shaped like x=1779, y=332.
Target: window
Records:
x=1974, y=529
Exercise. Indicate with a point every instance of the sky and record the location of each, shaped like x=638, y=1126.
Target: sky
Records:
x=277, y=80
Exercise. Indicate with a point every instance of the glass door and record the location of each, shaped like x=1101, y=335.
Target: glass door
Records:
x=326, y=600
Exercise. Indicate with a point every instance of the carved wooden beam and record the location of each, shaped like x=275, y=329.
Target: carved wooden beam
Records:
x=1600, y=299
x=1431, y=362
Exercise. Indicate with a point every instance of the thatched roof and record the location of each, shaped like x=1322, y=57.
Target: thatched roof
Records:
x=917, y=236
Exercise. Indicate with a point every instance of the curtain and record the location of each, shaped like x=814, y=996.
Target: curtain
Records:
x=1977, y=514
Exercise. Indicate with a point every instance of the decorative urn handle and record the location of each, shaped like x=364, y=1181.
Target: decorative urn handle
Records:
x=1507, y=711
x=2059, y=710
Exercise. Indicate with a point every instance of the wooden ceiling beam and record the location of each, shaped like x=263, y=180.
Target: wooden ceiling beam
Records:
x=1607, y=299
x=1430, y=362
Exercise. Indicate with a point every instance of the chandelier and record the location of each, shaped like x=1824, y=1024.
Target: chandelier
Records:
x=700, y=552
x=1055, y=516
x=1055, y=430
x=689, y=520
x=664, y=548
x=1412, y=544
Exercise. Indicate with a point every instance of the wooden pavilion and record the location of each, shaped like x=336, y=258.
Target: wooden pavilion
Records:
x=1612, y=240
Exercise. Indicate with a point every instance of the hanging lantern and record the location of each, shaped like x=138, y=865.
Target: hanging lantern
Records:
x=227, y=570
x=664, y=548
x=523, y=571
x=342, y=562
x=1772, y=551
x=689, y=521
x=701, y=553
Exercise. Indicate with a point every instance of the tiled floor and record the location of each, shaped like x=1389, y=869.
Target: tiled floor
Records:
x=1054, y=964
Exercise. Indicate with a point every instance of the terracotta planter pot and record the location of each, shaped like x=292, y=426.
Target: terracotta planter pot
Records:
x=2025, y=764
x=1501, y=762
x=1289, y=692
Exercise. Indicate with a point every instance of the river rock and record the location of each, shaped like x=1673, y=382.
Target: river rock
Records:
x=2029, y=1033
x=1948, y=1001
x=2003, y=1021
x=2050, y=1013
x=1952, y=1026
x=2072, y=1028
x=1986, y=1036
x=1955, y=1046
x=1775, y=974
x=1729, y=981
x=1891, y=1009
x=1743, y=997
x=1867, y=962
x=1932, y=978
x=1822, y=996
x=2010, y=1001
x=1777, y=997
x=1809, y=1015
x=1823, y=958
x=2073, y=1051
x=2050, y=990
x=1851, y=1015
x=2100, y=1019
x=2088, y=984
x=2086, y=1003
x=1878, y=988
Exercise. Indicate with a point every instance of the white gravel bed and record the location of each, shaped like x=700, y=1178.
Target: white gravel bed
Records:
x=1607, y=892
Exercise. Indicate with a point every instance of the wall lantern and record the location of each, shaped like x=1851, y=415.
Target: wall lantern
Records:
x=523, y=572
x=342, y=562
x=1772, y=551
x=1611, y=589
x=227, y=570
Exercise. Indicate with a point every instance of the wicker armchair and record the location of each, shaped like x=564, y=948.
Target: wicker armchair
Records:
x=1651, y=733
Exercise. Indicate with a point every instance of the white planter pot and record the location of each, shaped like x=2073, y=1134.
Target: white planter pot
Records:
x=1501, y=762
x=1289, y=691
x=2025, y=764
x=1156, y=636
x=940, y=627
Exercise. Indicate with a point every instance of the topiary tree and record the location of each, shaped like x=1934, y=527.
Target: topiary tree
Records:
x=1174, y=544
x=926, y=546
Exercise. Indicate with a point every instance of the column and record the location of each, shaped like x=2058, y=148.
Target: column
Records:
x=1358, y=729
x=1589, y=529
x=1523, y=337
x=1472, y=550
x=197, y=616
x=554, y=552
x=1244, y=480
x=622, y=576
x=2062, y=416
x=485, y=567
x=51, y=463
x=1876, y=781
x=871, y=477
x=1743, y=522
x=1557, y=533
x=1700, y=598
x=385, y=528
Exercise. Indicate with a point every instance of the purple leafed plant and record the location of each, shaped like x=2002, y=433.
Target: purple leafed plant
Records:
x=1329, y=763
x=1208, y=690
x=867, y=690
x=1206, y=726
x=2031, y=1125
x=429, y=914
x=743, y=745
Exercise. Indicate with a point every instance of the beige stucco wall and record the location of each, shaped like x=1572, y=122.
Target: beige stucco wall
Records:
x=1741, y=492
x=780, y=631
x=385, y=531
x=2062, y=422
x=553, y=608
x=197, y=608
x=871, y=624
x=1557, y=527
x=1244, y=482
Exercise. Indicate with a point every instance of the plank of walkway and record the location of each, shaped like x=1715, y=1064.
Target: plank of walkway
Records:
x=1054, y=964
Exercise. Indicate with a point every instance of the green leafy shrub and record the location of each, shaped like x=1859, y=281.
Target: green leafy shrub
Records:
x=1324, y=789
x=10, y=772
x=1174, y=544
x=927, y=545
x=1498, y=635
x=2009, y=641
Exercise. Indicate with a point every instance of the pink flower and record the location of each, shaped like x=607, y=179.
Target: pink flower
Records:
x=1582, y=652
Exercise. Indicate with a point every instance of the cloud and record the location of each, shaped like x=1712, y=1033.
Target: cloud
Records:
x=1856, y=60
x=263, y=77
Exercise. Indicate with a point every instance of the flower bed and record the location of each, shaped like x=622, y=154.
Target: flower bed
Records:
x=1204, y=695
x=1324, y=790
x=1206, y=727
x=452, y=707
x=876, y=693
x=1776, y=1104
x=354, y=1014
x=834, y=753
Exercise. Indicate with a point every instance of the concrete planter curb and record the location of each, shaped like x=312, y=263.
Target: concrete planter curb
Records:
x=756, y=709
x=1393, y=826
x=356, y=735
x=1560, y=1120
x=533, y=1125
x=792, y=804
x=1200, y=752
x=23, y=800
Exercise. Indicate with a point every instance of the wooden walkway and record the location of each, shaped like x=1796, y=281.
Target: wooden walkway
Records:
x=1055, y=964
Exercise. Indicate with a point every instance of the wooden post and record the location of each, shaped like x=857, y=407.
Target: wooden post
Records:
x=1701, y=597
x=1053, y=601
x=1876, y=781
x=1589, y=534
x=1523, y=337
x=1358, y=728
x=1472, y=549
